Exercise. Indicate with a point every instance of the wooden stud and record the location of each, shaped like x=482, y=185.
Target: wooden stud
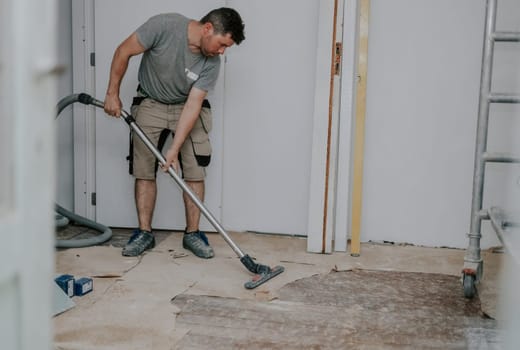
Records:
x=355, y=245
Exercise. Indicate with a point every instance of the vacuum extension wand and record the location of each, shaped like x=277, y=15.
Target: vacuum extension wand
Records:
x=263, y=273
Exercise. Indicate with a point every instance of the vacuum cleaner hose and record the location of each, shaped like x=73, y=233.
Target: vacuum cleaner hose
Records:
x=106, y=233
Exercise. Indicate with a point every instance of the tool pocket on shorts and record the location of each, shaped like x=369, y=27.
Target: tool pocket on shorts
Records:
x=130, y=157
x=201, y=147
x=200, y=138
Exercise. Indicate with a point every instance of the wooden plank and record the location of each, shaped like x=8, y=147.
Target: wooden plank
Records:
x=355, y=245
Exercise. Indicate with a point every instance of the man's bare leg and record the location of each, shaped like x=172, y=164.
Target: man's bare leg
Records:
x=145, y=195
x=191, y=209
x=196, y=241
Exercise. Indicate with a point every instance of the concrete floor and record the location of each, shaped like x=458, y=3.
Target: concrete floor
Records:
x=389, y=297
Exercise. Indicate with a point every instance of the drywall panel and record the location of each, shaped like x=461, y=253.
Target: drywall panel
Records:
x=422, y=97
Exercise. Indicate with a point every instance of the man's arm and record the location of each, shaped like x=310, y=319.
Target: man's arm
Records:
x=189, y=115
x=128, y=48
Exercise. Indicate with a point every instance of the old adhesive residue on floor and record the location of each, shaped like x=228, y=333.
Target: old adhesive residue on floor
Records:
x=341, y=310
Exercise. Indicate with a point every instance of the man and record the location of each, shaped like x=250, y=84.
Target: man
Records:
x=180, y=64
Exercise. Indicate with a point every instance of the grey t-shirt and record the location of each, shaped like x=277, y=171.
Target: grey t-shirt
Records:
x=168, y=68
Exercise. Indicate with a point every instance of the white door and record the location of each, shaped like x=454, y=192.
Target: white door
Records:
x=114, y=22
x=27, y=107
x=269, y=107
x=264, y=110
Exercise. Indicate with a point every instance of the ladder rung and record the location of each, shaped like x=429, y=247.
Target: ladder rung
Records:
x=483, y=214
x=506, y=230
x=500, y=158
x=506, y=36
x=504, y=98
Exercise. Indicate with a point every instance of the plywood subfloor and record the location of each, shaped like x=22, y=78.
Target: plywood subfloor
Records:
x=390, y=297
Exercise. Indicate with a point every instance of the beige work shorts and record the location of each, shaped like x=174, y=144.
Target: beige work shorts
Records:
x=158, y=120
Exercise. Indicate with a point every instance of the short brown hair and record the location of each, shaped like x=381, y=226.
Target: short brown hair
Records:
x=226, y=20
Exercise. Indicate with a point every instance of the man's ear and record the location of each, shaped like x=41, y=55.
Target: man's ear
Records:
x=207, y=28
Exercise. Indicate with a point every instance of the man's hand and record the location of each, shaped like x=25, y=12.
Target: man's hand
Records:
x=113, y=105
x=172, y=159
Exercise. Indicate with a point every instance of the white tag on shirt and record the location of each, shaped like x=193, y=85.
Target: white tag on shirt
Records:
x=191, y=75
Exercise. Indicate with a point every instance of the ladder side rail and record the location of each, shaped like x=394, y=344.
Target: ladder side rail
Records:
x=473, y=251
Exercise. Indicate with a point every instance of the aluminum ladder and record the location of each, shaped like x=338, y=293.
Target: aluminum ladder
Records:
x=473, y=265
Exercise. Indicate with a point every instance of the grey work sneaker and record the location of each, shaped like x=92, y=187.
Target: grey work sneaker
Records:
x=198, y=243
x=138, y=243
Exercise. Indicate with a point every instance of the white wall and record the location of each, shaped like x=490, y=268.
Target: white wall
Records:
x=422, y=98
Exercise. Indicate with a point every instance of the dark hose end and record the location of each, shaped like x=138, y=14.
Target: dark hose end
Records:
x=249, y=263
x=86, y=99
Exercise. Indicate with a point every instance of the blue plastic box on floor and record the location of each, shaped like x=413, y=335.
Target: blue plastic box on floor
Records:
x=66, y=283
x=83, y=286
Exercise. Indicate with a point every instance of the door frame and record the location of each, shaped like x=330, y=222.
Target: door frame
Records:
x=329, y=200
x=84, y=117
x=349, y=81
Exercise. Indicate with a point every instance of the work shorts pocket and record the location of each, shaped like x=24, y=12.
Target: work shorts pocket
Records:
x=200, y=138
x=201, y=148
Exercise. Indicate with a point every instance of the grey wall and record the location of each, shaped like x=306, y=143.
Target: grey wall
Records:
x=64, y=125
